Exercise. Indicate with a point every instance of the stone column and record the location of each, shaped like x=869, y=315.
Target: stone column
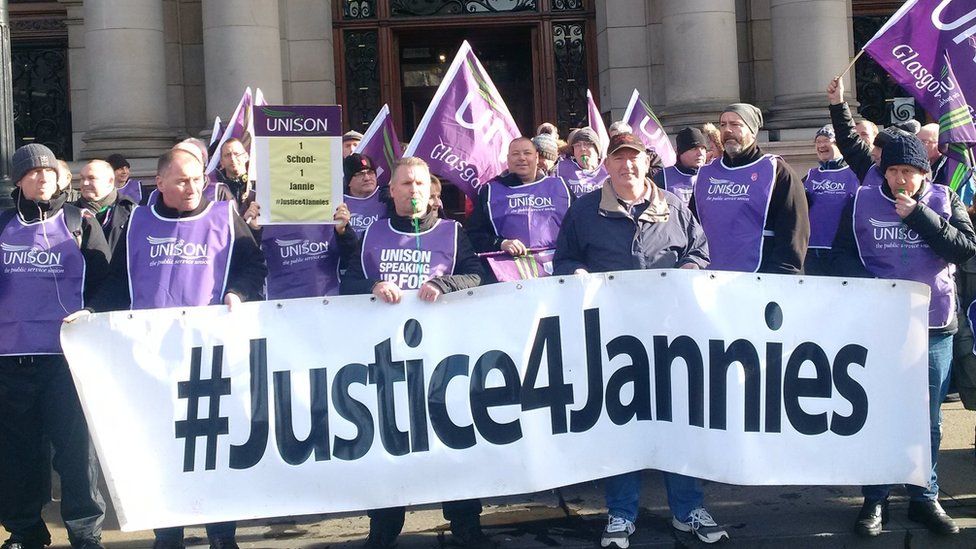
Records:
x=126, y=79
x=701, y=65
x=810, y=46
x=241, y=48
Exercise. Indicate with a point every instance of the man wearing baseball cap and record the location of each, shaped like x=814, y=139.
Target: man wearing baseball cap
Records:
x=57, y=259
x=829, y=187
x=752, y=205
x=692, y=149
x=633, y=224
x=583, y=171
x=937, y=234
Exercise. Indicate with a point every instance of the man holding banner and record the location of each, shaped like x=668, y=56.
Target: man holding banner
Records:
x=519, y=212
x=55, y=257
x=184, y=251
x=415, y=250
x=909, y=228
x=633, y=224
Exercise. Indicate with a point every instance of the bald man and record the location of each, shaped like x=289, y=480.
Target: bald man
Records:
x=100, y=197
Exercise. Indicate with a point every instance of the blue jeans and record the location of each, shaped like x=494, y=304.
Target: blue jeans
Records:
x=940, y=361
x=623, y=494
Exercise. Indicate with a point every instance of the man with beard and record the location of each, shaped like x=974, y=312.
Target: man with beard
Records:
x=752, y=205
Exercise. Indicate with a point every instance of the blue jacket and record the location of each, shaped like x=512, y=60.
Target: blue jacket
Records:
x=599, y=234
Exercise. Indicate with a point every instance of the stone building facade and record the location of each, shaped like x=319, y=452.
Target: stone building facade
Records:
x=132, y=76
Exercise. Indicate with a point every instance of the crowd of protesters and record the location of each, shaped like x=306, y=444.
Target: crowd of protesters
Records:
x=574, y=207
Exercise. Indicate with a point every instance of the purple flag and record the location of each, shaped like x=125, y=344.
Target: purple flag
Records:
x=465, y=132
x=235, y=127
x=957, y=135
x=382, y=145
x=241, y=126
x=910, y=47
x=648, y=128
x=535, y=264
x=596, y=122
x=216, y=132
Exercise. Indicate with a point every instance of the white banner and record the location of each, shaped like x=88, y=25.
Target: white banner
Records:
x=343, y=403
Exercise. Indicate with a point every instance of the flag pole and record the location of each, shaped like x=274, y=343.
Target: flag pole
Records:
x=856, y=57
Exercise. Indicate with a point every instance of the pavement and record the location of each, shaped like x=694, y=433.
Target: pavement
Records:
x=763, y=517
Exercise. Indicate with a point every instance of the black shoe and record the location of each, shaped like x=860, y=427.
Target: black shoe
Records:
x=873, y=515
x=90, y=543
x=168, y=544
x=471, y=536
x=931, y=514
x=224, y=543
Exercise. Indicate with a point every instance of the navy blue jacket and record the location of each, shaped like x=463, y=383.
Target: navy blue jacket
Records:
x=599, y=234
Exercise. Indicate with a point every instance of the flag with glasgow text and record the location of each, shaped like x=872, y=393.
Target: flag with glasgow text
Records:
x=464, y=134
x=911, y=46
x=646, y=126
x=381, y=144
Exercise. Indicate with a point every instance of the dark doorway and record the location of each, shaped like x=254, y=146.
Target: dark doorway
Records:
x=40, y=94
x=505, y=53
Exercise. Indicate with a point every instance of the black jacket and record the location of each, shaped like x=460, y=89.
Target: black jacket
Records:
x=855, y=151
x=601, y=234
x=237, y=190
x=788, y=217
x=118, y=210
x=468, y=272
x=954, y=240
x=245, y=277
x=93, y=246
x=479, y=227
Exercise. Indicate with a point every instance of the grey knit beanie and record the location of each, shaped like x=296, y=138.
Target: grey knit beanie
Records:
x=750, y=114
x=547, y=146
x=30, y=157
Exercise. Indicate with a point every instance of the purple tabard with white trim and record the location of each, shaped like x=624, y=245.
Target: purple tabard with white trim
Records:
x=874, y=177
x=363, y=212
x=578, y=180
x=828, y=191
x=732, y=204
x=179, y=262
x=132, y=189
x=679, y=183
x=406, y=259
x=303, y=260
x=889, y=249
x=532, y=212
x=42, y=281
